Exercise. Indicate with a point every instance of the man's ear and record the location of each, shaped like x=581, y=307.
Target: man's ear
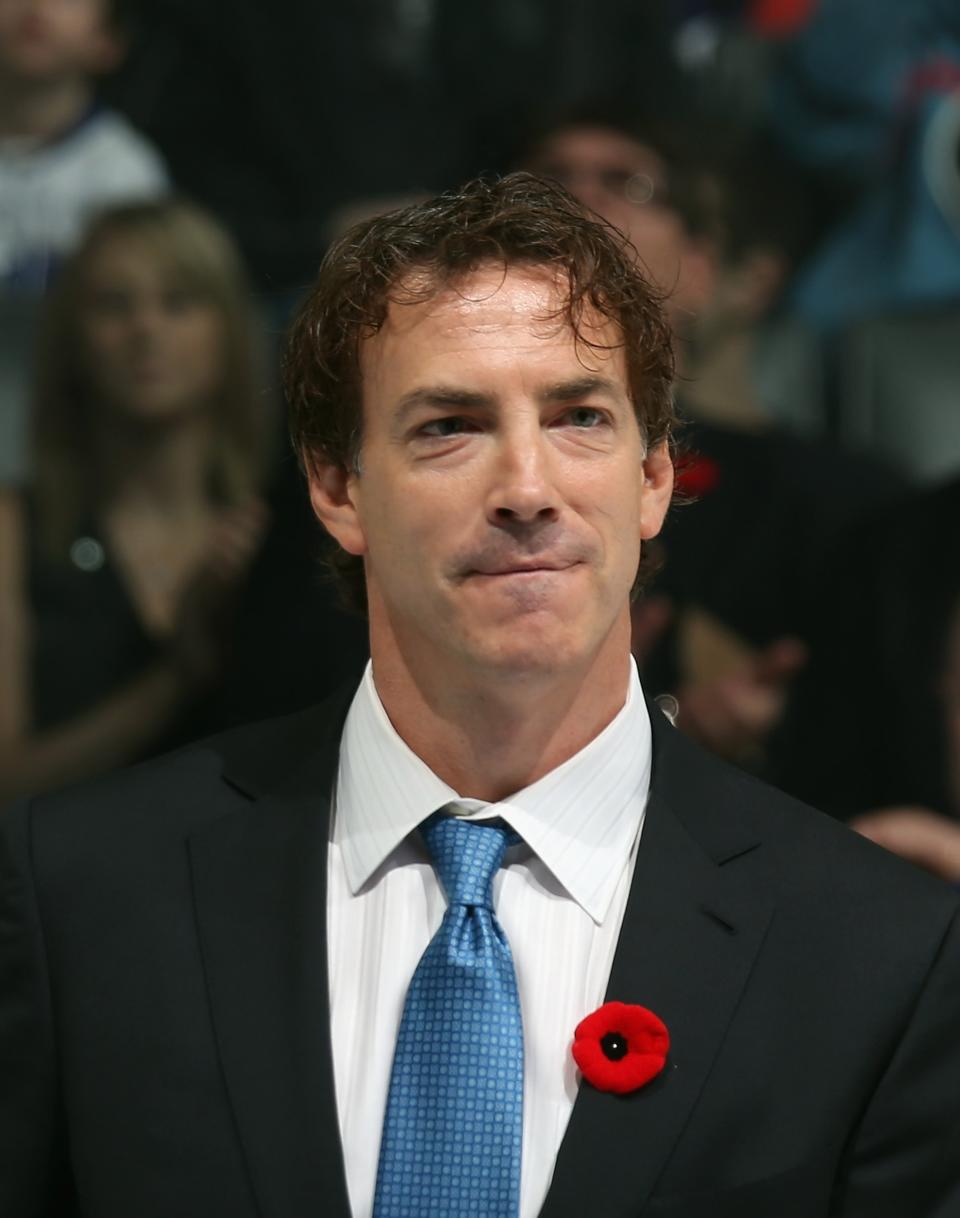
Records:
x=333, y=498
x=657, y=489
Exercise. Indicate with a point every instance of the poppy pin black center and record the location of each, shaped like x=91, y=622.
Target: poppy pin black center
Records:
x=614, y=1046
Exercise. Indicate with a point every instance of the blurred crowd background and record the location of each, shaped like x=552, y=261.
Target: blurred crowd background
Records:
x=171, y=172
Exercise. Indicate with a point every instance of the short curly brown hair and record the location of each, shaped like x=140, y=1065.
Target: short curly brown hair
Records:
x=410, y=255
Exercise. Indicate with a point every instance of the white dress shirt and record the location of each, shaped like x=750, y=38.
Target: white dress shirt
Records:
x=560, y=897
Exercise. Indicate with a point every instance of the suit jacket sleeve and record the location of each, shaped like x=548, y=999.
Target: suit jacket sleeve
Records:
x=33, y=1173
x=905, y=1155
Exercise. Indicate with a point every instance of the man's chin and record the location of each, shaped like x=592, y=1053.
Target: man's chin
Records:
x=535, y=646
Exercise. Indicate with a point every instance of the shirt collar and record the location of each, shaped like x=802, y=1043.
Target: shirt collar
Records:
x=582, y=819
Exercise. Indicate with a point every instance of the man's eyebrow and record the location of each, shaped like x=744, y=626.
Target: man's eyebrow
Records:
x=441, y=397
x=452, y=397
x=581, y=387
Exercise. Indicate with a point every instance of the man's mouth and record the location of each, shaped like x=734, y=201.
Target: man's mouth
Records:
x=534, y=567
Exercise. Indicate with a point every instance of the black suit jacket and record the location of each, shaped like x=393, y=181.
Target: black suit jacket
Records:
x=164, y=1035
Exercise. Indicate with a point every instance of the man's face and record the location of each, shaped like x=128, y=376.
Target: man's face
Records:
x=503, y=489
x=43, y=40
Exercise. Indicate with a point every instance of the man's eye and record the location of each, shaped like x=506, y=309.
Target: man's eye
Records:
x=585, y=416
x=444, y=428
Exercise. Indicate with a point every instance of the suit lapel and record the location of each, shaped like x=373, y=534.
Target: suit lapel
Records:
x=260, y=890
x=691, y=932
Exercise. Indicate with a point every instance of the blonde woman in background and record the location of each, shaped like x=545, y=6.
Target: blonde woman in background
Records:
x=119, y=568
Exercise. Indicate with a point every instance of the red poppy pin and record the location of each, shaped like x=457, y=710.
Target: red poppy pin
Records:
x=620, y=1047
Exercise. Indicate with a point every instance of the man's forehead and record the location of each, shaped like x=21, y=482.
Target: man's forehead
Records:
x=492, y=299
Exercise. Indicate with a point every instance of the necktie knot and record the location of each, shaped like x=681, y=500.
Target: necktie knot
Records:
x=466, y=856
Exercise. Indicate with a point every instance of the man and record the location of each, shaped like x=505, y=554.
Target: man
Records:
x=207, y=962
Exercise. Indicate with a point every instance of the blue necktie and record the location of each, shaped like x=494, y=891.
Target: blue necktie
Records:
x=453, y=1128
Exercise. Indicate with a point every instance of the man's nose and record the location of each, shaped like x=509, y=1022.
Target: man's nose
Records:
x=523, y=489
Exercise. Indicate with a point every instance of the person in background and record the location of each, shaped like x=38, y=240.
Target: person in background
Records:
x=62, y=156
x=872, y=728
x=638, y=183
x=119, y=567
x=926, y=837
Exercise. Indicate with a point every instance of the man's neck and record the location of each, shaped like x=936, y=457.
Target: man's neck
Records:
x=42, y=112
x=488, y=738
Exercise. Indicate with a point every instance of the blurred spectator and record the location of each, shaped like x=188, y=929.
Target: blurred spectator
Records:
x=925, y=837
x=636, y=178
x=292, y=642
x=119, y=569
x=61, y=157
x=872, y=729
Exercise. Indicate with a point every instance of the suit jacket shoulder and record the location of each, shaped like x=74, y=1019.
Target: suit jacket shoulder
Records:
x=806, y=854
x=172, y=796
